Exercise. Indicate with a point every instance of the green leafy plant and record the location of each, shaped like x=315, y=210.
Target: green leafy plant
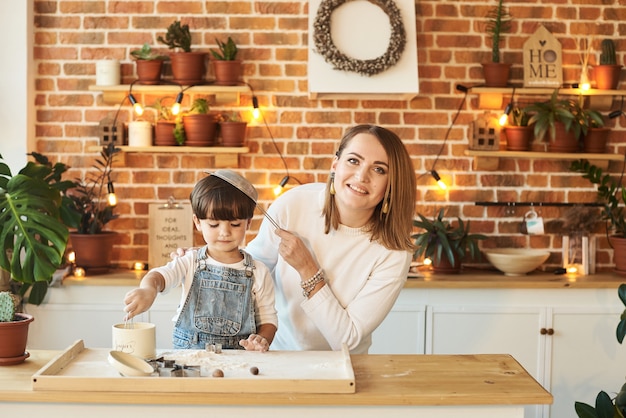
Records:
x=177, y=36
x=610, y=191
x=607, y=56
x=34, y=216
x=90, y=197
x=499, y=22
x=605, y=407
x=441, y=238
x=146, y=53
x=199, y=106
x=519, y=117
x=228, y=50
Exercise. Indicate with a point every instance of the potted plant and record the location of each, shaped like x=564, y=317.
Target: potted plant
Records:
x=518, y=131
x=558, y=118
x=596, y=135
x=446, y=244
x=498, y=22
x=613, y=195
x=188, y=67
x=199, y=125
x=94, y=200
x=607, y=72
x=168, y=128
x=13, y=330
x=232, y=129
x=149, y=64
x=226, y=67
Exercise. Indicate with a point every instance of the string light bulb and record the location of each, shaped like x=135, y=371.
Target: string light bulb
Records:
x=437, y=178
x=176, y=105
x=505, y=116
x=111, y=197
x=256, y=113
x=137, y=107
x=281, y=186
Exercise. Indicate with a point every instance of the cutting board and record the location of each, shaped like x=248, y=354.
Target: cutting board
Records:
x=85, y=369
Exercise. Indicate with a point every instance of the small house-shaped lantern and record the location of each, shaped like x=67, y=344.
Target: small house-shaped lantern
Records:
x=485, y=133
x=542, y=60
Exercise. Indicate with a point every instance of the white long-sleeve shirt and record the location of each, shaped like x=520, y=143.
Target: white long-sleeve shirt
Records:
x=363, y=278
x=180, y=272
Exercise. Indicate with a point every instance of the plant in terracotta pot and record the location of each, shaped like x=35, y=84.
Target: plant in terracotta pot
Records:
x=607, y=72
x=188, y=67
x=232, y=129
x=518, y=131
x=596, y=134
x=226, y=66
x=445, y=243
x=168, y=129
x=94, y=200
x=498, y=22
x=199, y=124
x=557, y=118
x=13, y=330
x=613, y=196
x=149, y=64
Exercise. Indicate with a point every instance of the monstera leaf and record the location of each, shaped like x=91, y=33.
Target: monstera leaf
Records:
x=32, y=235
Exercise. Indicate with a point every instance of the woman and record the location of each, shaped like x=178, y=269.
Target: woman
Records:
x=344, y=248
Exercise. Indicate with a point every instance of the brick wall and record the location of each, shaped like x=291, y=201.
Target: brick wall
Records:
x=272, y=35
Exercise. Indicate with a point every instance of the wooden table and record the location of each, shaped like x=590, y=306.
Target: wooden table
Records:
x=433, y=386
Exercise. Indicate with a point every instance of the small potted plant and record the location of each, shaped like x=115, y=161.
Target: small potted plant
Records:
x=149, y=64
x=596, y=134
x=445, y=243
x=94, y=200
x=199, y=124
x=613, y=196
x=188, y=67
x=498, y=22
x=168, y=128
x=607, y=72
x=232, y=129
x=556, y=117
x=226, y=66
x=518, y=131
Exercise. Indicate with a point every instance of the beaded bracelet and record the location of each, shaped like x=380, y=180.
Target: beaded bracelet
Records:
x=309, y=285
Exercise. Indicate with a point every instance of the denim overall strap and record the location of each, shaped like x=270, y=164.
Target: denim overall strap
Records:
x=219, y=308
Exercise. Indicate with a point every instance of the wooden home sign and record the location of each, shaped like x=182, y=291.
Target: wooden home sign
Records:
x=542, y=60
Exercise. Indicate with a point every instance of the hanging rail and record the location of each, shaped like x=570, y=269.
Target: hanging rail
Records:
x=538, y=204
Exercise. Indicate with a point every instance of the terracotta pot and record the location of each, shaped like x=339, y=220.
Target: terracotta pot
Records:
x=445, y=267
x=619, y=254
x=233, y=133
x=496, y=74
x=564, y=141
x=94, y=252
x=607, y=76
x=149, y=71
x=200, y=130
x=164, y=134
x=595, y=140
x=518, y=138
x=227, y=73
x=13, y=338
x=188, y=67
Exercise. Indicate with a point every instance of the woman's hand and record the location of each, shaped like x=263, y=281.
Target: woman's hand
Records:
x=255, y=343
x=295, y=252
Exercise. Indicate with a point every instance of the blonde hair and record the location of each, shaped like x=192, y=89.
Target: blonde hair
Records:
x=392, y=229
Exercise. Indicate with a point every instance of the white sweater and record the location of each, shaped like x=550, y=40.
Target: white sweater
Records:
x=363, y=278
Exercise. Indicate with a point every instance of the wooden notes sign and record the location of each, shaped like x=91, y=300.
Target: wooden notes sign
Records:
x=542, y=60
x=171, y=227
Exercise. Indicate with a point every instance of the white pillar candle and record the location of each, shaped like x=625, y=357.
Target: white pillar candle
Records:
x=107, y=72
x=140, y=134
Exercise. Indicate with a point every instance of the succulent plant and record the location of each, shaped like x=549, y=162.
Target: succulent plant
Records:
x=177, y=36
x=228, y=50
x=7, y=307
x=607, y=56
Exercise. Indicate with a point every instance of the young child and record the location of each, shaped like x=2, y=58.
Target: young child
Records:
x=227, y=297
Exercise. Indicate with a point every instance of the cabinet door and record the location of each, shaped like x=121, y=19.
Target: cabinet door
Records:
x=586, y=357
x=402, y=332
x=490, y=330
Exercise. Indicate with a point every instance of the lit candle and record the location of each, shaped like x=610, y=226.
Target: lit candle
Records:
x=139, y=266
x=79, y=272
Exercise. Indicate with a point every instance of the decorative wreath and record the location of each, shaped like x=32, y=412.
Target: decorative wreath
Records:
x=326, y=47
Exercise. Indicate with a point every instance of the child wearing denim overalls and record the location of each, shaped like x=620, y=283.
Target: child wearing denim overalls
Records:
x=227, y=298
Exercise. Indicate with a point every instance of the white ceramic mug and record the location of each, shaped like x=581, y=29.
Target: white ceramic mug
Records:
x=140, y=133
x=136, y=338
x=107, y=72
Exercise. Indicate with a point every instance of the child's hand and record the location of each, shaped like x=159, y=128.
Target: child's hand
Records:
x=255, y=343
x=138, y=301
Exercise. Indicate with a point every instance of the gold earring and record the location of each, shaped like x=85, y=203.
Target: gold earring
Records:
x=332, y=183
x=385, y=207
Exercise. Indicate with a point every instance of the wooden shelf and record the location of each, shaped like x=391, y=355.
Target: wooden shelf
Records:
x=225, y=157
x=489, y=160
x=492, y=97
x=222, y=95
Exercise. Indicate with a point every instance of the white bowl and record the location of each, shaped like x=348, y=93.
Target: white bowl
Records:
x=129, y=365
x=516, y=261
